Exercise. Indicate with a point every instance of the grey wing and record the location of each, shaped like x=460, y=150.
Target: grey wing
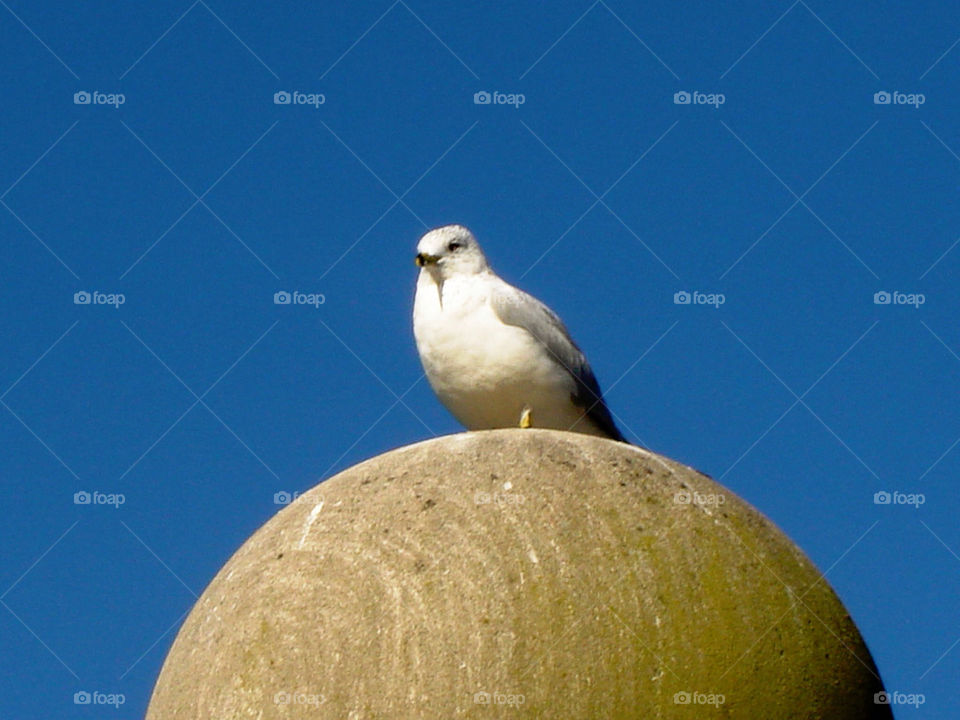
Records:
x=517, y=308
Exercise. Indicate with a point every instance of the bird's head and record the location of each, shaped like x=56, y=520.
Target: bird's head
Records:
x=450, y=250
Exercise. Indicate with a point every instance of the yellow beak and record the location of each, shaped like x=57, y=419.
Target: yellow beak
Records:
x=423, y=259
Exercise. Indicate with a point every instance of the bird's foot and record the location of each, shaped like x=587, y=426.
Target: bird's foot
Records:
x=526, y=417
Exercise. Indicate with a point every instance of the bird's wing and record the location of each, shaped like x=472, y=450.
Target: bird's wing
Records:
x=517, y=308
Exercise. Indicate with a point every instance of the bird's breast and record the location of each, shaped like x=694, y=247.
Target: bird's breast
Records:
x=483, y=370
x=461, y=339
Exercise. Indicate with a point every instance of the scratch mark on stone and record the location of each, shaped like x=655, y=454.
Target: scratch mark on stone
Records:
x=310, y=519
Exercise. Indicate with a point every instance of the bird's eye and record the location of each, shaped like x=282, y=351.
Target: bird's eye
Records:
x=454, y=246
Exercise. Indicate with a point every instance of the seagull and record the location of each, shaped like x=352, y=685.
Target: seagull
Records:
x=495, y=356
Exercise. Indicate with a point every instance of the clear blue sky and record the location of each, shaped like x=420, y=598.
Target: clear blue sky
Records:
x=198, y=198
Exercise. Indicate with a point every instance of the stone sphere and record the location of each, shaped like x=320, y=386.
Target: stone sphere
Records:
x=521, y=574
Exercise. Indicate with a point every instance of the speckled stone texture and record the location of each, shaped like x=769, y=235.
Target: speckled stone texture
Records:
x=518, y=574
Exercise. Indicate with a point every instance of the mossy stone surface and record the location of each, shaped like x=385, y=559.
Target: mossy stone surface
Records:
x=518, y=574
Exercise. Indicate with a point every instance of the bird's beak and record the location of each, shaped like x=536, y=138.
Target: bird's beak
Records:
x=422, y=259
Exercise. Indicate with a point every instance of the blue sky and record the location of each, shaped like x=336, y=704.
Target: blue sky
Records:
x=797, y=199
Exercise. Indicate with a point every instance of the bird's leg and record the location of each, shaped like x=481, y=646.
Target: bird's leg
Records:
x=526, y=417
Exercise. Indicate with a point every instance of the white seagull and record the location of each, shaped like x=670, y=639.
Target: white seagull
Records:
x=495, y=356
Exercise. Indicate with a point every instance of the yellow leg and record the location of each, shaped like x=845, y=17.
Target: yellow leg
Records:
x=526, y=417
